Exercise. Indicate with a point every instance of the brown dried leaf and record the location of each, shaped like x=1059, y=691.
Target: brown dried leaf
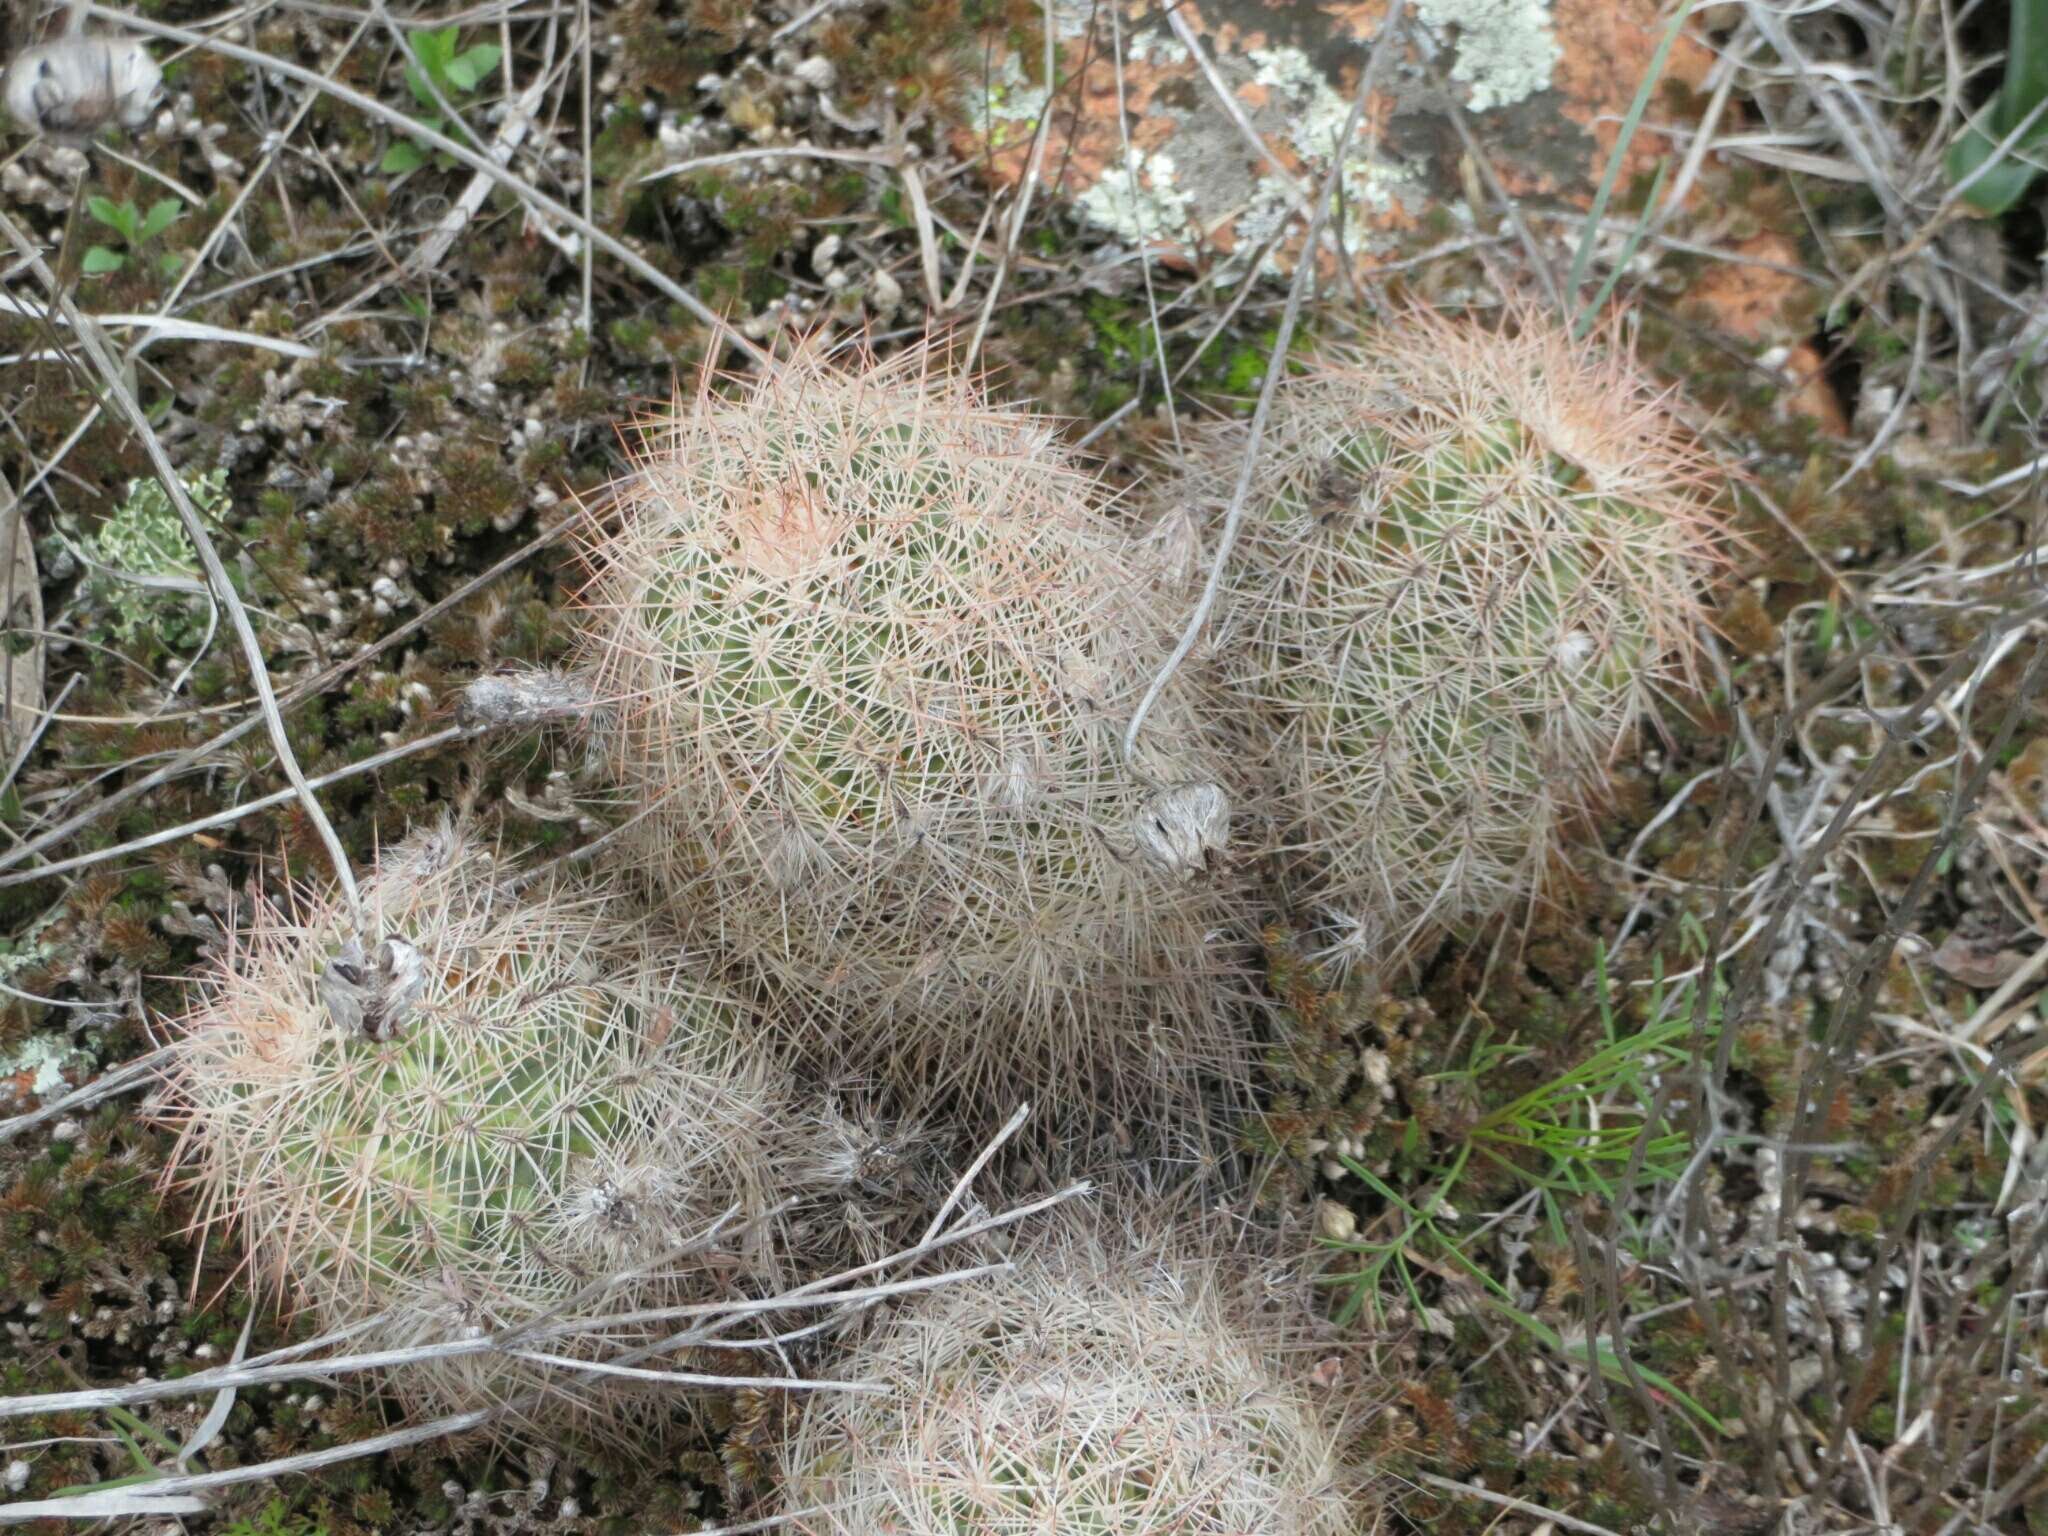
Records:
x=1976, y=962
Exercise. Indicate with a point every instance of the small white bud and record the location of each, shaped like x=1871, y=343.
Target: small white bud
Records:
x=1336, y=1222
x=1180, y=828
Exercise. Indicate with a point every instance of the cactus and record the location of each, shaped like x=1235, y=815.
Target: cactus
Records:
x=507, y=1099
x=1469, y=561
x=1106, y=1383
x=866, y=641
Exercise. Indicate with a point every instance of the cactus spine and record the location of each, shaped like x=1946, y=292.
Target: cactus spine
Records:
x=510, y=1098
x=1109, y=1383
x=867, y=640
x=1470, y=560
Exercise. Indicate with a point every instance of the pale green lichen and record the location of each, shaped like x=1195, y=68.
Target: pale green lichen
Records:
x=1009, y=99
x=1140, y=200
x=140, y=558
x=1155, y=45
x=1506, y=48
x=1320, y=113
x=1011, y=96
x=44, y=1061
x=1158, y=196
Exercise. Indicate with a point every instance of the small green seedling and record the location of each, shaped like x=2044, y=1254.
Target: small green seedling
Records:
x=2021, y=106
x=439, y=73
x=135, y=229
x=1598, y=1132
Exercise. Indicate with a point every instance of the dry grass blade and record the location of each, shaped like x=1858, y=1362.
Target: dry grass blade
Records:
x=499, y=175
x=115, y=385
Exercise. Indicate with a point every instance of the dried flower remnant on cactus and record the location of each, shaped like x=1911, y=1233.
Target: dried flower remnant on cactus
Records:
x=523, y=696
x=558, y=1099
x=1108, y=1383
x=870, y=640
x=1470, y=560
x=75, y=88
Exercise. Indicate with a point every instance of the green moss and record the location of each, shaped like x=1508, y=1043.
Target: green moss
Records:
x=237, y=392
x=633, y=335
x=424, y=404
x=621, y=150
x=526, y=367
x=274, y=1519
x=81, y=1216
x=382, y=517
x=474, y=487
x=543, y=460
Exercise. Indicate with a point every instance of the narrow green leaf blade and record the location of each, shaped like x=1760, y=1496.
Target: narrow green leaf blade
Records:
x=1998, y=189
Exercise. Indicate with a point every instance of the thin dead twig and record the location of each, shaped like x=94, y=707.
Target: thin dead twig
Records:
x=639, y=265
x=1276, y=368
x=1021, y=209
x=116, y=389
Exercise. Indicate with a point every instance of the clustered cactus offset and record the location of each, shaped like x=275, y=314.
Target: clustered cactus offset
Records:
x=859, y=647
x=1111, y=1382
x=867, y=641
x=1469, y=560
x=511, y=1099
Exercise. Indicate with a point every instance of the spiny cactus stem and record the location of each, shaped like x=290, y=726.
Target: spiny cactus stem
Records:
x=1116, y=1379
x=1276, y=369
x=868, y=641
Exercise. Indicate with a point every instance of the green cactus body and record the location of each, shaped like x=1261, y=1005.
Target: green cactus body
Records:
x=1470, y=560
x=869, y=642
x=1113, y=1388
x=562, y=1101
